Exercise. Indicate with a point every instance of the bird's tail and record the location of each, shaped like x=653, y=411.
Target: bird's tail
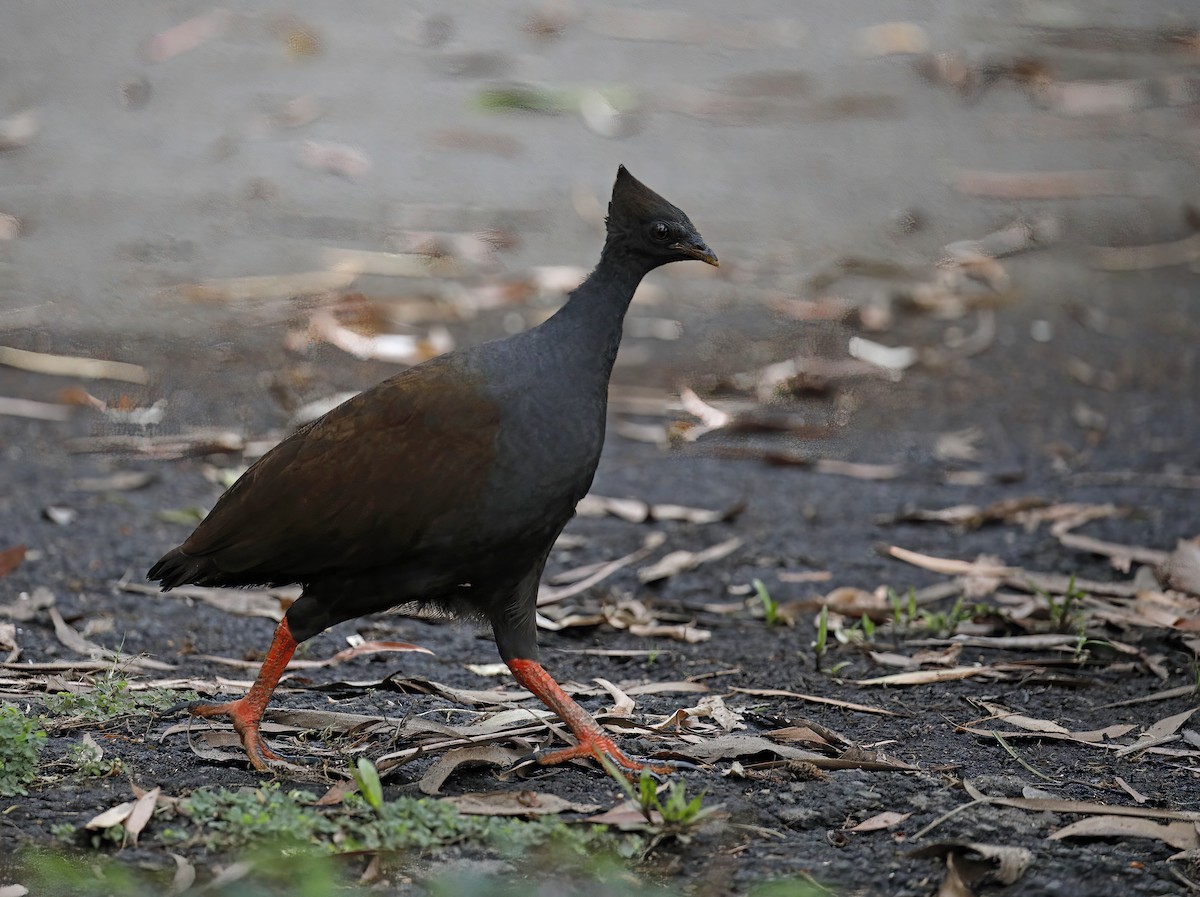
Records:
x=176, y=568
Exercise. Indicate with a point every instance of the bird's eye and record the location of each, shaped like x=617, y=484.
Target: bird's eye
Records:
x=660, y=231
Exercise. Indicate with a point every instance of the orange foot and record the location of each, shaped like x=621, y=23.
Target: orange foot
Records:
x=246, y=713
x=602, y=748
x=593, y=743
x=246, y=720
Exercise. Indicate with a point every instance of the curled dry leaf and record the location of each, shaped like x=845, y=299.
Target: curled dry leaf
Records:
x=890, y=358
x=681, y=561
x=650, y=544
x=72, y=639
x=483, y=754
x=143, y=809
x=184, y=878
x=634, y=510
x=976, y=863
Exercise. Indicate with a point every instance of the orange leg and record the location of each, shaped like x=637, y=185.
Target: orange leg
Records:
x=593, y=742
x=246, y=713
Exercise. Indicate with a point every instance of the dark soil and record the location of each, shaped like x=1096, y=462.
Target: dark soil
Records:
x=794, y=519
x=1043, y=433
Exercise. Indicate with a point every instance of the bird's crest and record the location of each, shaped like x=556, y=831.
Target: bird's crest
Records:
x=633, y=201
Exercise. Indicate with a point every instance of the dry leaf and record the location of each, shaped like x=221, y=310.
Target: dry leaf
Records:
x=72, y=639
x=814, y=699
x=968, y=864
x=484, y=754
x=926, y=677
x=33, y=410
x=623, y=705
x=681, y=561
x=10, y=560
x=110, y=817
x=188, y=35
x=184, y=878
x=143, y=809
x=1180, y=835
x=879, y=821
x=550, y=596
x=72, y=366
x=120, y=481
x=516, y=803
x=1181, y=569
x=334, y=158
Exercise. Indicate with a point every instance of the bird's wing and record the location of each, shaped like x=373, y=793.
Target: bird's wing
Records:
x=379, y=479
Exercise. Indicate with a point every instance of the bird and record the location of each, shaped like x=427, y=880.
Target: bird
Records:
x=443, y=486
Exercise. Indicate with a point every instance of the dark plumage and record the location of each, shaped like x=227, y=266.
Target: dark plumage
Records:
x=445, y=484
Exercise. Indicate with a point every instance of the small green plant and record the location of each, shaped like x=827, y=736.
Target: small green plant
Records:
x=868, y=627
x=678, y=812
x=1064, y=614
x=366, y=777
x=822, y=643
x=20, y=743
x=770, y=605
x=111, y=697
x=224, y=819
x=944, y=624
x=87, y=761
x=904, y=613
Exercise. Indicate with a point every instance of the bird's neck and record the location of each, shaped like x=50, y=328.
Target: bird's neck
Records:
x=588, y=326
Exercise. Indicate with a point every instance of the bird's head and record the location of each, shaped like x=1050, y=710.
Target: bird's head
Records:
x=650, y=227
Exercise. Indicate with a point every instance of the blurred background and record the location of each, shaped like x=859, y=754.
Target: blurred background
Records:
x=996, y=190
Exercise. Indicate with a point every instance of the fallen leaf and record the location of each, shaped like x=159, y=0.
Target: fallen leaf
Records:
x=649, y=545
x=10, y=560
x=143, y=809
x=110, y=817
x=681, y=561
x=926, y=677
x=33, y=410
x=188, y=35
x=814, y=699
x=1180, y=835
x=971, y=863
x=184, y=878
x=879, y=821
x=72, y=366
x=485, y=754
x=515, y=803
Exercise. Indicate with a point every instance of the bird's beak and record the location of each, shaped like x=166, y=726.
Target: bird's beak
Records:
x=697, y=249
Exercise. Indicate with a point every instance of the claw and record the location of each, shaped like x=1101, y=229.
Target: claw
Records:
x=246, y=724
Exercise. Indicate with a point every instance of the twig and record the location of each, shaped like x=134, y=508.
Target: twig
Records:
x=1012, y=753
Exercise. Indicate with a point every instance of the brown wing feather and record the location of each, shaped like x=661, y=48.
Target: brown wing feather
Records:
x=387, y=475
